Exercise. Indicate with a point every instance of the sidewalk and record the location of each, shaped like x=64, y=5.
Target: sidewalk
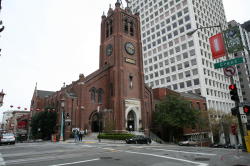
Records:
x=92, y=138
x=88, y=141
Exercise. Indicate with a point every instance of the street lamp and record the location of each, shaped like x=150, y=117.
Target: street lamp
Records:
x=192, y=32
x=1, y=98
x=99, y=121
x=62, y=118
x=231, y=79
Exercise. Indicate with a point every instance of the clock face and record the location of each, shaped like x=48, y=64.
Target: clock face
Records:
x=130, y=48
x=109, y=50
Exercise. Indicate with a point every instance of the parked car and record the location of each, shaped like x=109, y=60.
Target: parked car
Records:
x=138, y=139
x=188, y=142
x=7, y=138
x=229, y=146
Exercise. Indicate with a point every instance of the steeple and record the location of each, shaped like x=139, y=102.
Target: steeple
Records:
x=118, y=4
x=110, y=10
x=103, y=16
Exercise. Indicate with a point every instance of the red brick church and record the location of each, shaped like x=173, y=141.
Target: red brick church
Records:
x=116, y=90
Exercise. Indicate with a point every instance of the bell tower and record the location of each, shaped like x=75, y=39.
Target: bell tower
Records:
x=120, y=51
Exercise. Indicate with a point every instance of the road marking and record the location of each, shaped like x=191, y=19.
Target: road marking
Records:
x=207, y=154
x=172, y=158
x=77, y=162
x=2, y=163
x=110, y=149
x=89, y=142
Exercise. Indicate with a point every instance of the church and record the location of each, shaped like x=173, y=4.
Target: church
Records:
x=113, y=97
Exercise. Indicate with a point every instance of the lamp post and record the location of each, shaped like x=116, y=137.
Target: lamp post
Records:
x=99, y=122
x=62, y=119
x=1, y=98
x=231, y=79
x=190, y=34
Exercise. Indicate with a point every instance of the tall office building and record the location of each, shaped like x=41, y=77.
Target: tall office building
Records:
x=180, y=62
x=244, y=68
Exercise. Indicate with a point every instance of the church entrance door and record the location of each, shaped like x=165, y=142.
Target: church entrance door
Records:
x=96, y=125
x=131, y=121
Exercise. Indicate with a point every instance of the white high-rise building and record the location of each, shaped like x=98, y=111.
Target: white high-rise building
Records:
x=174, y=60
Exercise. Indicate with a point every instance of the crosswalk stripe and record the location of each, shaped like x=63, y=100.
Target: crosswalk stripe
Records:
x=2, y=163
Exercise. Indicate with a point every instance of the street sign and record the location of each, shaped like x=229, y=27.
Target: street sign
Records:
x=229, y=71
x=243, y=118
x=227, y=63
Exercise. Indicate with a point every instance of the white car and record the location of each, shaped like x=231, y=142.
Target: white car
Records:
x=7, y=138
x=188, y=143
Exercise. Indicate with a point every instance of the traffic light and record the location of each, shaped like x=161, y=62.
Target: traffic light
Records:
x=234, y=111
x=234, y=93
x=233, y=129
x=246, y=110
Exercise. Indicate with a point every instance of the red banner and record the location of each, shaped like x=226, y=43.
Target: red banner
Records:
x=217, y=46
x=21, y=124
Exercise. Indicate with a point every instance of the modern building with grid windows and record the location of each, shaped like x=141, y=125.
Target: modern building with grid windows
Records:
x=174, y=60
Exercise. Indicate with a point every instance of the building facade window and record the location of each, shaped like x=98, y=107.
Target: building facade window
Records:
x=92, y=94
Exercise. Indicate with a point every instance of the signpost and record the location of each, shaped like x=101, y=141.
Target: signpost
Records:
x=229, y=71
x=227, y=63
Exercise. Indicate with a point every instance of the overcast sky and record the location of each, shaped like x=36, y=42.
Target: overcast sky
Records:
x=53, y=41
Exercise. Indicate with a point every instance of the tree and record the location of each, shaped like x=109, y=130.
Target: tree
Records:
x=203, y=125
x=221, y=123
x=175, y=113
x=43, y=124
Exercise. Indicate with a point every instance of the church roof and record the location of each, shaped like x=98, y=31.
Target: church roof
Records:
x=192, y=96
x=43, y=93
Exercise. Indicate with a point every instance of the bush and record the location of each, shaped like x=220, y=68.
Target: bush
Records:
x=115, y=136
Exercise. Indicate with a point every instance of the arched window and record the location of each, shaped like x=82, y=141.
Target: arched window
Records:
x=130, y=81
x=100, y=93
x=126, y=26
x=107, y=29
x=131, y=27
x=92, y=94
x=110, y=27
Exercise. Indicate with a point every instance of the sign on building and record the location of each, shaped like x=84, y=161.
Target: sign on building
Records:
x=233, y=40
x=217, y=46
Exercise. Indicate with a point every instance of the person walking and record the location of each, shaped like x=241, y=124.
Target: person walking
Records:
x=76, y=135
x=80, y=135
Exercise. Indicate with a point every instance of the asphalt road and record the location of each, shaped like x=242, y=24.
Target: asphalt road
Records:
x=117, y=154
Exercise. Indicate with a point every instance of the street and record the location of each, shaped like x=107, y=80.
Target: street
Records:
x=117, y=154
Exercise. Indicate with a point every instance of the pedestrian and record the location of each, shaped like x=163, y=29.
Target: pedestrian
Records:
x=86, y=132
x=75, y=131
x=80, y=135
